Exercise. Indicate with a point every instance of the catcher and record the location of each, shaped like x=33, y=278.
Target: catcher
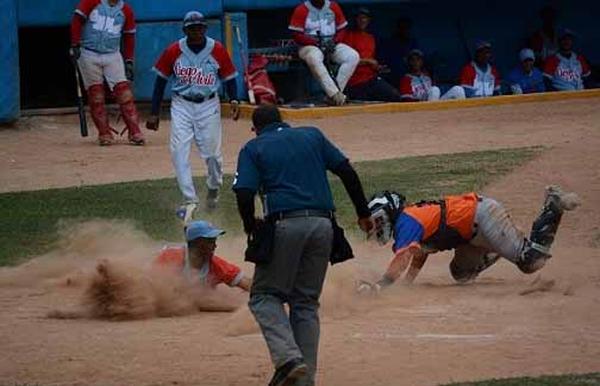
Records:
x=198, y=261
x=478, y=228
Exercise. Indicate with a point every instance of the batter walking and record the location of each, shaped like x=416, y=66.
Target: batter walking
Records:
x=198, y=65
x=96, y=30
x=289, y=166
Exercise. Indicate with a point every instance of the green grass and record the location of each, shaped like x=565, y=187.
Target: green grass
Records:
x=560, y=380
x=30, y=220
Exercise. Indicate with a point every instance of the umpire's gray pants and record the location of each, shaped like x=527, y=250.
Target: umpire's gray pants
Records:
x=295, y=275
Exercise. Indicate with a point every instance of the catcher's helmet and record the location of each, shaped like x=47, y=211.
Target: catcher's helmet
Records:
x=385, y=207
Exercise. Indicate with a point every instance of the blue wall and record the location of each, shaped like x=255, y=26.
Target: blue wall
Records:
x=9, y=57
x=59, y=12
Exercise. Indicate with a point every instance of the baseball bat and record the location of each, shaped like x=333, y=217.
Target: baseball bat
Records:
x=251, y=97
x=328, y=64
x=83, y=129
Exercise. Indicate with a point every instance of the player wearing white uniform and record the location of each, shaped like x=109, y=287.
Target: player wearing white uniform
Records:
x=318, y=29
x=197, y=64
x=480, y=78
x=96, y=30
x=417, y=85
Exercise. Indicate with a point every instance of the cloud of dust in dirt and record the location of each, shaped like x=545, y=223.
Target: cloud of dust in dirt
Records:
x=111, y=264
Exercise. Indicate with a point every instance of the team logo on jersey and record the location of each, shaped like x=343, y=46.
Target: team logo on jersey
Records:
x=104, y=23
x=194, y=76
x=567, y=74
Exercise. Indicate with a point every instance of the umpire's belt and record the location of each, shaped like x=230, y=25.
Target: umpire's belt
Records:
x=198, y=99
x=301, y=213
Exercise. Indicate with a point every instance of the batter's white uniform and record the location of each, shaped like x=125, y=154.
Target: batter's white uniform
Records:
x=195, y=108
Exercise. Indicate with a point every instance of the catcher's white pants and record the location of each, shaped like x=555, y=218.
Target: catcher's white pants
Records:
x=200, y=123
x=343, y=55
x=456, y=92
x=96, y=67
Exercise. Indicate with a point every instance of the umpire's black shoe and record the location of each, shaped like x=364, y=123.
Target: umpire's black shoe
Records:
x=287, y=374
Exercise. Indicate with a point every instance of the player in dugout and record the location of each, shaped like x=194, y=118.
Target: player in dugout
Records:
x=478, y=228
x=365, y=83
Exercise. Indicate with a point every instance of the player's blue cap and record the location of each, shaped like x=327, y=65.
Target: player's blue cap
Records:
x=363, y=11
x=481, y=44
x=193, y=18
x=202, y=229
x=526, y=54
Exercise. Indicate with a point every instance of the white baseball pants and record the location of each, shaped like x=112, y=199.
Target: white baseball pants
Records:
x=456, y=92
x=200, y=123
x=343, y=55
x=96, y=67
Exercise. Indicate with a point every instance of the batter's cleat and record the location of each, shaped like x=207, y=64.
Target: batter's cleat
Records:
x=137, y=139
x=212, y=198
x=186, y=212
x=563, y=200
x=287, y=374
x=106, y=139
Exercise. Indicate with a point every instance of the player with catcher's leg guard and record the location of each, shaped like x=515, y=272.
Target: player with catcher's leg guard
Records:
x=478, y=228
x=96, y=30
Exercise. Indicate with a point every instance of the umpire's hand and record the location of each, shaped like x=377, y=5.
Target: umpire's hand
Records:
x=366, y=224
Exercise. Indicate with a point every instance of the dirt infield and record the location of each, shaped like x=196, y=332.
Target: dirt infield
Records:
x=504, y=324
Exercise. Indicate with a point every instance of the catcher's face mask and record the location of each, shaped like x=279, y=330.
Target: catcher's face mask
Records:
x=383, y=227
x=385, y=208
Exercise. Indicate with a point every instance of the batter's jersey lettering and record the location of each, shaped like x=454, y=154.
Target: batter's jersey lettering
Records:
x=196, y=75
x=105, y=24
x=482, y=83
x=415, y=87
x=309, y=20
x=566, y=73
x=364, y=44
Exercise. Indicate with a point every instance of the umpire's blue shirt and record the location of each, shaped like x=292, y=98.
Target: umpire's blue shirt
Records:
x=289, y=166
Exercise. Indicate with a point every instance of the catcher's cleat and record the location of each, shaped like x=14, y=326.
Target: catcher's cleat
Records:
x=212, y=198
x=106, y=139
x=288, y=373
x=563, y=200
x=364, y=287
x=186, y=212
x=137, y=139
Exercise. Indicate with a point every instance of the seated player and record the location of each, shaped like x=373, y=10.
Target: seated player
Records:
x=478, y=228
x=318, y=28
x=480, y=78
x=566, y=70
x=197, y=260
x=366, y=84
x=417, y=85
x=526, y=78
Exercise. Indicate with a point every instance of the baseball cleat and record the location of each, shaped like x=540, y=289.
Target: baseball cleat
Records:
x=212, y=198
x=186, y=212
x=287, y=374
x=105, y=139
x=137, y=139
x=564, y=200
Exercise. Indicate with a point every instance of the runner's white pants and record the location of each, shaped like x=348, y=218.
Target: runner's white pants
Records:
x=199, y=123
x=456, y=92
x=343, y=55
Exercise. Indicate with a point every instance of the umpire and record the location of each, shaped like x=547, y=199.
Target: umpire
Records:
x=289, y=168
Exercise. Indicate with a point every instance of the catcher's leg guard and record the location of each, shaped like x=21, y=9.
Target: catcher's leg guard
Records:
x=124, y=98
x=537, y=249
x=469, y=261
x=99, y=116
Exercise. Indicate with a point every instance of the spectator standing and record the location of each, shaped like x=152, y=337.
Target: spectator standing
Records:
x=365, y=83
x=480, y=78
x=526, y=78
x=318, y=27
x=544, y=41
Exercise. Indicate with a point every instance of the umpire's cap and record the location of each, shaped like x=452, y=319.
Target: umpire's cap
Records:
x=202, y=229
x=194, y=18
